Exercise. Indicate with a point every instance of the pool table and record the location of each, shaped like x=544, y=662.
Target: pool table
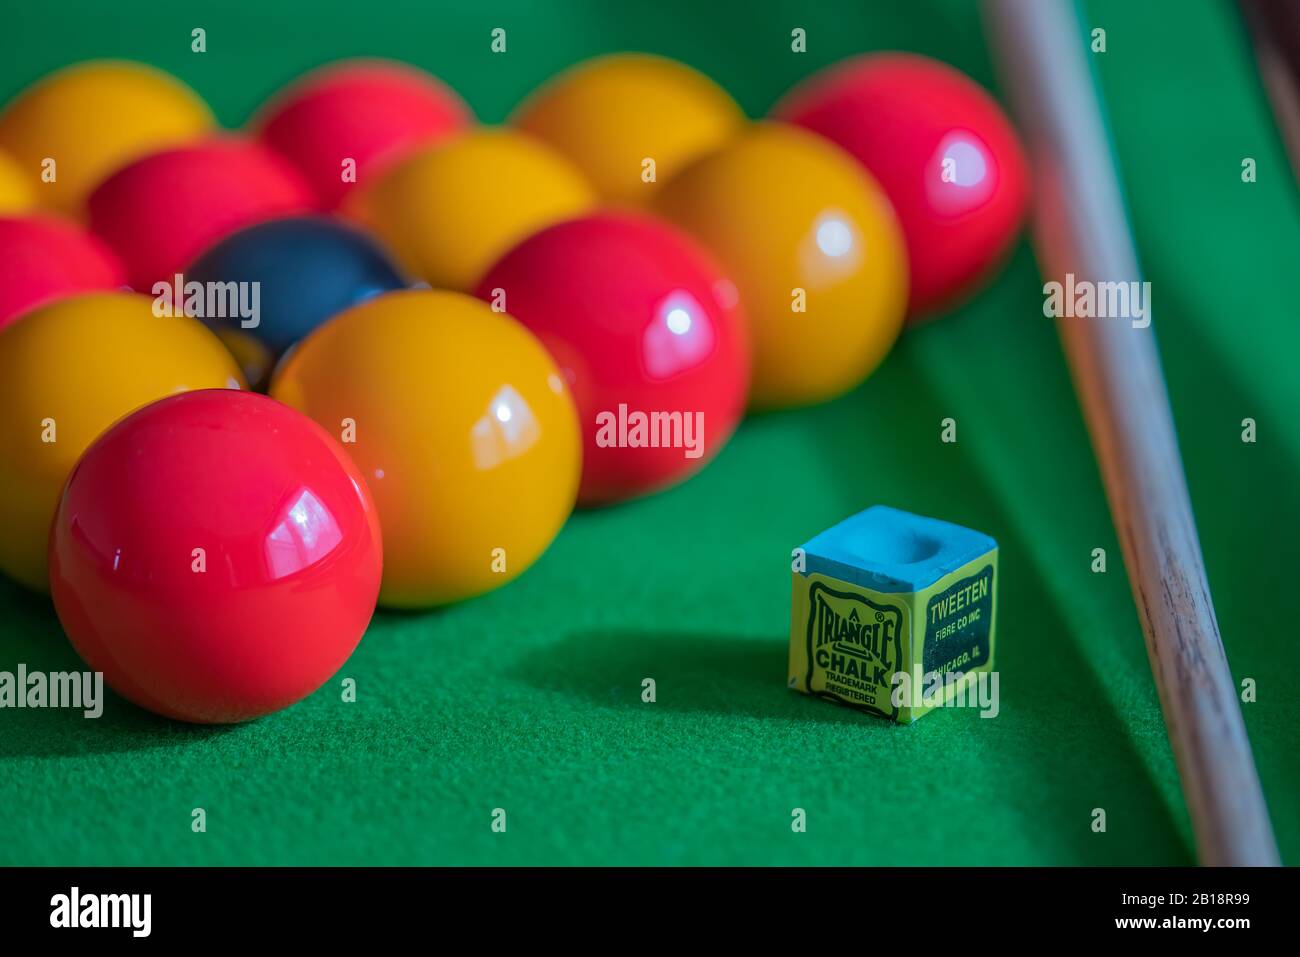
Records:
x=529, y=699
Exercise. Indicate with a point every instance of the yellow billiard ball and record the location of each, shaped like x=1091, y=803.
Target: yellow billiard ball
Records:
x=611, y=114
x=16, y=194
x=69, y=370
x=462, y=426
x=93, y=118
x=814, y=249
x=451, y=210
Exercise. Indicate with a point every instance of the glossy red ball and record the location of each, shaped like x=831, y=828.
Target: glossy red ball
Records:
x=162, y=211
x=43, y=258
x=650, y=335
x=216, y=555
x=372, y=112
x=942, y=149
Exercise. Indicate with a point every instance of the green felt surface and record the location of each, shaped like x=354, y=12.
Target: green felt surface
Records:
x=529, y=698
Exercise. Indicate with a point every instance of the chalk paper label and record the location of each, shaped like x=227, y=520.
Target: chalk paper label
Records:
x=957, y=624
x=853, y=648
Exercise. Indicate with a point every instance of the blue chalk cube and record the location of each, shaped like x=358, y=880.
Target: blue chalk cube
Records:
x=893, y=613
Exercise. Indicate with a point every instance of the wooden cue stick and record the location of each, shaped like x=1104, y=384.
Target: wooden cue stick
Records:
x=1081, y=227
x=1275, y=34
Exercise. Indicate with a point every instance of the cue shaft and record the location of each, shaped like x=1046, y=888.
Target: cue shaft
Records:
x=1081, y=227
x=1274, y=29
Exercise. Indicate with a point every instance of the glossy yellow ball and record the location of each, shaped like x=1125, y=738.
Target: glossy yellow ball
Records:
x=16, y=194
x=69, y=370
x=450, y=211
x=611, y=114
x=462, y=426
x=814, y=249
x=93, y=118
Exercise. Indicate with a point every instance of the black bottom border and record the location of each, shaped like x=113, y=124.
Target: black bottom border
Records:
x=336, y=905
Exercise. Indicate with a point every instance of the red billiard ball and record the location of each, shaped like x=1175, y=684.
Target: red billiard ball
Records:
x=43, y=258
x=216, y=555
x=371, y=113
x=162, y=211
x=942, y=149
x=649, y=333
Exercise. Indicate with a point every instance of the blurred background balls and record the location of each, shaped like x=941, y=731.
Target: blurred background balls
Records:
x=307, y=269
x=216, y=555
x=68, y=370
x=162, y=211
x=449, y=211
x=462, y=426
x=645, y=328
x=612, y=113
x=372, y=112
x=92, y=119
x=943, y=151
x=813, y=246
x=17, y=195
x=43, y=258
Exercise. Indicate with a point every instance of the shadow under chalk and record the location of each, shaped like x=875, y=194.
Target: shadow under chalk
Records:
x=694, y=673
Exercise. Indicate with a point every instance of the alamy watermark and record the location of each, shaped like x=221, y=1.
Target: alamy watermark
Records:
x=947, y=689
x=651, y=430
x=133, y=912
x=209, y=300
x=1085, y=299
x=54, y=689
